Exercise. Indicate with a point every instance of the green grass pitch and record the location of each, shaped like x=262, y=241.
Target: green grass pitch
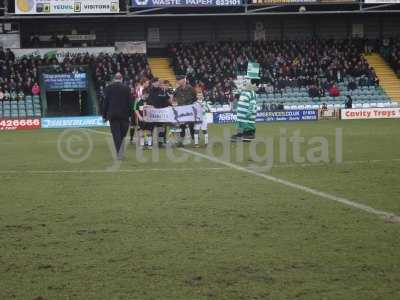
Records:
x=198, y=229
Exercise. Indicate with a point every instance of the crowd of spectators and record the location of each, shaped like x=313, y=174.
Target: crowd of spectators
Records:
x=133, y=67
x=17, y=77
x=390, y=50
x=20, y=77
x=318, y=65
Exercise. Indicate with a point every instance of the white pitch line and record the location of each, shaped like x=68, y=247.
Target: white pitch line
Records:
x=107, y=171
x=381, y=213
x=298, y=164
x=384, y=214
x=98, y=131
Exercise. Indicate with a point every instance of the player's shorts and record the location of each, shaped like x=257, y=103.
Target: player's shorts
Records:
x=146, y=126
x=201, y=126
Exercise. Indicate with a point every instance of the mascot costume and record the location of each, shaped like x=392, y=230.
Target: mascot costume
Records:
x=246, y=109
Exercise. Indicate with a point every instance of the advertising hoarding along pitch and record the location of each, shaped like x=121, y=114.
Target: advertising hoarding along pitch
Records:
x=270, y=116
x=73, y=122
x=287, y=115
x=18, y=124
x=370, y=113
x=35, y=7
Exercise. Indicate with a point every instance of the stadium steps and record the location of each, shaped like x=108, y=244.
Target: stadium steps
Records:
x=387, y=78
x=160, y=68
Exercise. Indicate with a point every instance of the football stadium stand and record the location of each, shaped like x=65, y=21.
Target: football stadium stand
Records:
x=388, y=79
x=160, y=67
x=19, y=92
x=19, y=98
x=295, y=74
x=391, y=53
x=29, y=106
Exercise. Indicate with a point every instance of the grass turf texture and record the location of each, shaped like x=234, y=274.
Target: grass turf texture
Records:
x=199, y=230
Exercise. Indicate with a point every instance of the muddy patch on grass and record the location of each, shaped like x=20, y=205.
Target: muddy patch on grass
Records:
x=194, y=280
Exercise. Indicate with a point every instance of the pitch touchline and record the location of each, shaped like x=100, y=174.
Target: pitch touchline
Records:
x=381, y=213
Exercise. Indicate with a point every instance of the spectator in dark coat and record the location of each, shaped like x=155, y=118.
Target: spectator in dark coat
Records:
x=117, y=108
x=313, y=92
x=349, y=102
x=352, y=86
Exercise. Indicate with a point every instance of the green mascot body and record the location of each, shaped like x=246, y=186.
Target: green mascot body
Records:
x=246, y=112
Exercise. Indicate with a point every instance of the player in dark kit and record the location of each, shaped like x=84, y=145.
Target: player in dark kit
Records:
x=145, y=129
x=159, y=97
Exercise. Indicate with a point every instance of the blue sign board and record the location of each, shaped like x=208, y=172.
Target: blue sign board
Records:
x=270, y=116
x=73, y=122
x=224, y=117
x=63, y=82
x=287, y=115
x=185, y=3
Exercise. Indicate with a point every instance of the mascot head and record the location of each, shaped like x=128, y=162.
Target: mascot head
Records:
x=252, y=77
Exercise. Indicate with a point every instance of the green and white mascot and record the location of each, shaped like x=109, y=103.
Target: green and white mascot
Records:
x=246, y=108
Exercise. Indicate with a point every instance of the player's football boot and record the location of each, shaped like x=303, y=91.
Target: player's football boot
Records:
x=248, y=137
x=237, y=137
